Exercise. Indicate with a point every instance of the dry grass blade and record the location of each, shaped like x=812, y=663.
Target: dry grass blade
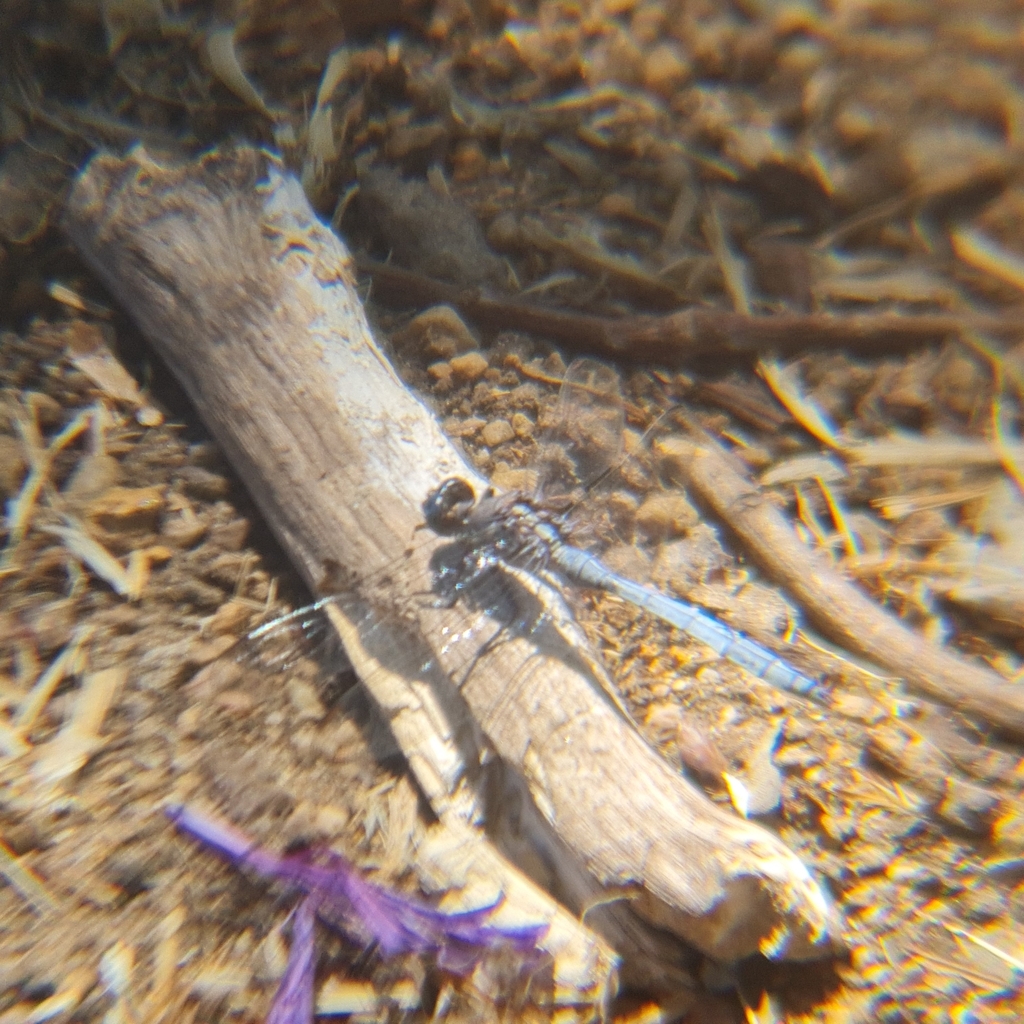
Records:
x=223, y=55
x=338, y=997
x=840, y=519
x=786, y=386
x=168, y=953
x=12, y=743
x=1007, y=958
x=69, y=662
x=1011, y=452
x=79, y=738
x=26, y=881
x=117, y=966
x=66, y=999
x=94, y=555
x=41, y=461
x=733, y=268
x=926, y=451
x=988, y=256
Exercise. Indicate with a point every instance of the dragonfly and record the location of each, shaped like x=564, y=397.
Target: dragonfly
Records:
x=508, y=529
x=514, y=532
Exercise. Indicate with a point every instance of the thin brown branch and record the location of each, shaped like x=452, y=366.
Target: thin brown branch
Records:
x=677, y=337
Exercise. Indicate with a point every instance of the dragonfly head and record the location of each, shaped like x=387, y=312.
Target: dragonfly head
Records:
x=448, y=507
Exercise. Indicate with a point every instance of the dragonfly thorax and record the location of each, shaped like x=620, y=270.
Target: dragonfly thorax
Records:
x=497, y=526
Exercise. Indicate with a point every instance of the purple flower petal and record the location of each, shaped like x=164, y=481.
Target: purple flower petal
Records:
x=397, y=923
x=364, y=910
x=293, y=1003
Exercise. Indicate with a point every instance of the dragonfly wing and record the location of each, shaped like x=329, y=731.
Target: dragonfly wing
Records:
x=583, y=437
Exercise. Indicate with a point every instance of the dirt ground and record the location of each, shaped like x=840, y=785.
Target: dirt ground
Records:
x=855, y=163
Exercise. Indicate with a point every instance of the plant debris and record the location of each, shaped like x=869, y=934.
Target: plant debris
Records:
x=367, y=913
x=833, y=189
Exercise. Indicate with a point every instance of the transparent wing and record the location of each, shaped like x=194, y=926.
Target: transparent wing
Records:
x=292, y=642
x=583, y=438
x=302, y=633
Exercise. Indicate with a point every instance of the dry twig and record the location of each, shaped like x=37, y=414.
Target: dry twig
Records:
x=676, y=337
x=835, y=605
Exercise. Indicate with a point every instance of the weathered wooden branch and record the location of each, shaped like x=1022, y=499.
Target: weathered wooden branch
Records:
x=251, y=301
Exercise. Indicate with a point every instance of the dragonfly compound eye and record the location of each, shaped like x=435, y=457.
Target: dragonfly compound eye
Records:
x=447, y=508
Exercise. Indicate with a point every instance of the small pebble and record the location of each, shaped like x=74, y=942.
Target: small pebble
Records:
x=230, y=617
x=465, y=428
x=497, y=432
x=666, y=515
x=665, y=69
x=442, y=374
x=237, y=702
x=522, y=425
x=203, y=485
x=305, y=700
x=149, y=416
x=508, y=478
x=469, y=367
x=440, y=331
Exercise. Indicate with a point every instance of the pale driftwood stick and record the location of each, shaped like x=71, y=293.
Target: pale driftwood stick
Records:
x=250, y=299
x=184, y=222
x=836, y=605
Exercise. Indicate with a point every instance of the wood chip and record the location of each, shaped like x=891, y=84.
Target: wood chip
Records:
x=80, y=738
